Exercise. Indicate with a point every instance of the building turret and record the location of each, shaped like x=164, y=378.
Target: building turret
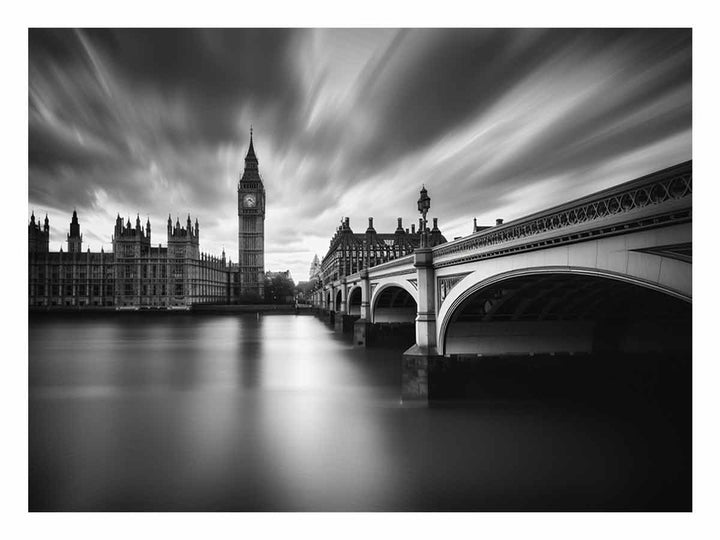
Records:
x=38, y=238
x=138, y=228
x=118, y=225
x=182, y=241
x=436, y=237
x=197, y=228
x=478, y=228
x=169, y=225
x=74, y=239
x=314, y=267
x=147, y=228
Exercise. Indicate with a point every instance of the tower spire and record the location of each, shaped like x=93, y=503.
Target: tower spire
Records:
x=251, y=161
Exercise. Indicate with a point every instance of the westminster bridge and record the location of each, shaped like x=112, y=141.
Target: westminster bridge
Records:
x=611, y=271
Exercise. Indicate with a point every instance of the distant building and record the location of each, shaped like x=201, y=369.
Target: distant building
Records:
x=134, y=275
x=286, y=274
x=478, y=228
x=350, y=252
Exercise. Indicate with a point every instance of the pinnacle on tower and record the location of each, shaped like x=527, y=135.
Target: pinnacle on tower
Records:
x=251, y=160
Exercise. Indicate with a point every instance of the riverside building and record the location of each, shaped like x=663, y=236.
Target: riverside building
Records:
x=134, y=275
x=350, y=252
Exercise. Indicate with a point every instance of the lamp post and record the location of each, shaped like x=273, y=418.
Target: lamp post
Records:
x=423, y=207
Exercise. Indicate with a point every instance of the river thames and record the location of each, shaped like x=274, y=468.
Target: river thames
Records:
x=200, y=412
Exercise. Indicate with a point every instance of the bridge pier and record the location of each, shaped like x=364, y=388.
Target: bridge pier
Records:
x=418, y=361
x=361, y=329
x=341, y=306
x=369, y=334
x=417, y=367
x=344, y=323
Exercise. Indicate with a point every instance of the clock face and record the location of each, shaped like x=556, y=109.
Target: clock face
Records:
x=249, y=201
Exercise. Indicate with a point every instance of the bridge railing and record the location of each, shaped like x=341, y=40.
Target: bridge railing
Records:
x=655, y=189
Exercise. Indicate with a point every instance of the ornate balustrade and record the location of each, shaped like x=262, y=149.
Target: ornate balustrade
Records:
x=657, y=189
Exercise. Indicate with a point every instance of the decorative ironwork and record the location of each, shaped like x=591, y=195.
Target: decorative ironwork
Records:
x=445, y=285
x=671, y=184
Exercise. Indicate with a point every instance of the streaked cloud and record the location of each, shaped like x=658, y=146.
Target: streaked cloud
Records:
x=496, y=123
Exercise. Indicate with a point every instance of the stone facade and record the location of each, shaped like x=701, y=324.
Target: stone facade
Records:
x=135, y=275
x=350, y=252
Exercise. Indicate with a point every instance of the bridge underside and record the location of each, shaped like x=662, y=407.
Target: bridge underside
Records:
x=555, y=334
x=567, y=313
x=394, y=305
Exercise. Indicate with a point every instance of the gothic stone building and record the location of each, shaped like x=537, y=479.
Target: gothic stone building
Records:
x=350, y=252
x=134, y=275
x=138, y=275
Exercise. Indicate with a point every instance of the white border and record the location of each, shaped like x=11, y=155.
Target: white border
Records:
x=17, y=523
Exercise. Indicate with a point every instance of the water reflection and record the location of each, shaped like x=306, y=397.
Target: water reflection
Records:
x=250, y=350
x=206, y=412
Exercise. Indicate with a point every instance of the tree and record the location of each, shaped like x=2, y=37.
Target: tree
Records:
x=279, y=288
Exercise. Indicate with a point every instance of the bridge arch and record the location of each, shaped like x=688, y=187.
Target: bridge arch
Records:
x=566, y=305
x=354, y=300
x=393, y=301
x=337, y=306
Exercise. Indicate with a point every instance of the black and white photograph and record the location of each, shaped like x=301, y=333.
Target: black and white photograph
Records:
x=407, y=270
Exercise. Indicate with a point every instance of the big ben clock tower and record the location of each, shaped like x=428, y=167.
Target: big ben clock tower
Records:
x=251, y=227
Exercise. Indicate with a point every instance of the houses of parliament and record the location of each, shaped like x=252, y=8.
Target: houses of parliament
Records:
x=137, y=274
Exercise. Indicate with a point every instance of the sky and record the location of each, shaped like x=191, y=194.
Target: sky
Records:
x=495, y=123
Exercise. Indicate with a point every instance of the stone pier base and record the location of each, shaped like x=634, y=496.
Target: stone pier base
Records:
x=417, y=367
x=330, y=317
x=382, y=334
x=344, y=323
x=361, y=329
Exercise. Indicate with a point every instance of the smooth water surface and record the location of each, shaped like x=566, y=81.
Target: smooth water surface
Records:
x=230, y=412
